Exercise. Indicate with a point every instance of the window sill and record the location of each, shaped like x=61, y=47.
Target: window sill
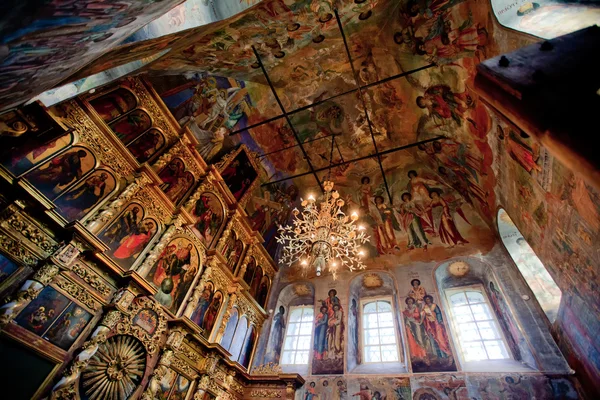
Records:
x=295, y=369
x=380, y=368
x=495, y=366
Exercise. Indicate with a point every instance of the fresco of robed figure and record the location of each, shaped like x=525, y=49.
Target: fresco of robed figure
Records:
x=79, y=200
x=207, y=310
x=174, y=272
x=328, y=349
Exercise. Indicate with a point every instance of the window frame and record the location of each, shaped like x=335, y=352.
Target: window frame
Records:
x=455, y=325
x=360, y=326
x=310, y=335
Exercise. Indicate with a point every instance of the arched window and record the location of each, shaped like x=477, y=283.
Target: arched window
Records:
x=296, y=344
x=545, y=290
x=478, y=333
x=380, y=344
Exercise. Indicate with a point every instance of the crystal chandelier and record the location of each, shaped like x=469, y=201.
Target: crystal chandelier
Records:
x=323, y=236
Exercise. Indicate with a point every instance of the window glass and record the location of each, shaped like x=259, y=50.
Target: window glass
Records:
x=296, y=344
x=479, y=336
x=379, y=334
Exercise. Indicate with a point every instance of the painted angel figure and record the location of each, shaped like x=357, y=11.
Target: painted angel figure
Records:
x=446, y=227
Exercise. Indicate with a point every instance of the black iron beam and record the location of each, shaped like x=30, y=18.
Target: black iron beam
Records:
x=304, y=108
x=381, y=153
x=287, y=117
x=364, y=103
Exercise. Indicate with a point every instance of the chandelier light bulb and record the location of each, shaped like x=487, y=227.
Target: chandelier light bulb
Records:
x=361, y=253
x=354, y=216
x=304, y=262
x=361, y=227
x=311, y=198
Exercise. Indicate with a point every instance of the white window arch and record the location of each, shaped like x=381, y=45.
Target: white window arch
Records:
x=545, y=290
x=379, y=331
x=476, y=330
x=298, y=336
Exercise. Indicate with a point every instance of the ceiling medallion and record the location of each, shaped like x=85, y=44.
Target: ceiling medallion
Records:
x=323, y=236
x=318, y=39
x=325, y=17
x=365, y=15
x=459, y=269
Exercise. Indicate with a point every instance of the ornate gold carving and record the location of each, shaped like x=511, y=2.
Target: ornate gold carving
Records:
x=116, y=369
x=67, y=253
x=267, y=369
x=65, y=388
x=153, y=203
x=190, y=353
x=183, y=367
x=16, y=249
x=111, y=319
x=89, y=134
x=105, y=214
x=91, y=278
x=150, y=339
x=13, y=219
x=269, y=393
x=209, y=184
x=26, y=293
x=180, y=150
x=45, y=274
x=78, y=292
x=123, y=298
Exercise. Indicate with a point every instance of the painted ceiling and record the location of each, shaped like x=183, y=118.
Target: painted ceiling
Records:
x=387, y=74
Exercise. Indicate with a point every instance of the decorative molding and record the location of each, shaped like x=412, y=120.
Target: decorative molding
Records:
x=91, y=278
x=268, y=393
x=267, y=369
x=14, y=248
x=90, y=135
x=180, y=150
x=184, y=367
x=13, y=219
x=150, y=340
x=77, y=292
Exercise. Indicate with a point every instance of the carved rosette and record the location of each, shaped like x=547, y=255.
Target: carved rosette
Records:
x=29, y=291
x=101, y=218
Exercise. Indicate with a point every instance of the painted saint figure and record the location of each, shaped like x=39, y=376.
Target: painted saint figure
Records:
x=77, y=202
x=61, y=171
x=434, y=326
x=320, y=345
x=417, y=292
x=415, y=331
x=411, y=215
x=385, y=237
x=276, y=337
x=447, y=228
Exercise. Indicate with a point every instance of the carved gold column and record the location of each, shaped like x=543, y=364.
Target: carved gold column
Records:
x=195, y=298
x=157, y=250
x=29, y=291
x=159, y=372
x=102, y=217
x=233, y=294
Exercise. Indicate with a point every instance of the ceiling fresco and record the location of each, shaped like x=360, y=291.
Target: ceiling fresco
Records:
x=43, y=42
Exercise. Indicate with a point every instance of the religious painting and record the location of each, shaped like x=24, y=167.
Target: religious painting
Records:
x=43, y=311
x=68, y=327
x=166, y=384
x=275, y=344
x=234, y=252
x=247, y=348
x=176, y=180
x=52, y=177
x=83, y=197
x=147, y=319
x=209, y=215
x=328, y=348
x=250, y=270
x=255, y=282
x=174, y=272
x=239, y=175
x=112, y=105
x=147, y=146
x=426, y=331
x=452, y=386
x=206, y=312
x=263, y=291
x=20, y=159
x=129, y=127
x=227, y=338
x=179, y=392
x=238, y=338
x=129, y=235
x=270, y=207
x=7, y=268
